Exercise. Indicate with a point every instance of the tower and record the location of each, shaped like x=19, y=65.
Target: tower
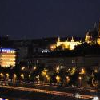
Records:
x=58, y=39
x=98, y=40
x=72, y=40
x=88, y=38
x=94, y=34
x=99, y=29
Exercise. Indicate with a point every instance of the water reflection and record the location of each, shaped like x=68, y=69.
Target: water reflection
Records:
x=3, y=99
x=11, y=99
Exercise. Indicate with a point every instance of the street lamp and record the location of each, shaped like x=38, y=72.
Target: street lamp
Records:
x=23, y=68
x=34, y=67
x=38, y=80
x=48, y=78
x=82, y=71
x=80, y=80
x=44, y=72
x=22, y=76
x=7, y=76
x=67, y=79
x=1, y=74
x=58, y=78
x=29, y=75
x=57, y=69
x=15, y=76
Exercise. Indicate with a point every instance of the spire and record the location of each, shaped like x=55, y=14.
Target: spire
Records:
x=99, y=29
x=67, y=39
x=72, y=40
x=58, y=39
x=87, y=33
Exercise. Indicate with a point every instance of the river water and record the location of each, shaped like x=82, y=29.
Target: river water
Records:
x=38, y=99
x=11, y=99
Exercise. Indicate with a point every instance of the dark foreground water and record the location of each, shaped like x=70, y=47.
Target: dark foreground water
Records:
x=11, y=99
x=29, y=99
x=11, y=94
x=52, y=98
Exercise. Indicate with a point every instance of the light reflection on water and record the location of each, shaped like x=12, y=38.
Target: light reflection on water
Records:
x=3, y=99
x=11, y=99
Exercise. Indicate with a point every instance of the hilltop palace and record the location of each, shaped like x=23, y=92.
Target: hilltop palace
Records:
x=92, y=37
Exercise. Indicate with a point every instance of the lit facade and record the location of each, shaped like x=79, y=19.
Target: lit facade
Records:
x=7, y=57
x=88, y=38
x=93, y=36
x=98, y=40
x=70, y=45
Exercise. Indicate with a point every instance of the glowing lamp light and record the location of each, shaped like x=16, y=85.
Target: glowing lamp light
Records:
x=82, y=71
x=29, y=76
x=67, y=77
x=35, y=68
x=15, y=76
x=22, y=75
x=52, y=47
x=79, y=77
x=96, y=71
x=57, y=69
x=58, y=78
x=48, y=77
x=1, y=74
x=7, y=75
x=44, y=72
x=23, y=68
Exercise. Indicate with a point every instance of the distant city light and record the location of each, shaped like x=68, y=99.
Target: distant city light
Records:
x=6, y=49
x=45, y=51
x=95, y=98
x=8, y=57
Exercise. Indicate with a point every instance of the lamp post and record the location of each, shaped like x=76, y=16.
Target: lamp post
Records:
x=7, y=76
x=80, y=81
x=67, y=79
x=58, y=79
x=48, y=78
x=14, y=79
x=44, y=73
x=1, y=74
x=22, y=76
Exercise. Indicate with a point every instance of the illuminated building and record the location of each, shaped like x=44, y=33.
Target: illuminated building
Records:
x=93, y=36
x=88, y=38
x=70, y=45
x=7, y=57
x=98, y=40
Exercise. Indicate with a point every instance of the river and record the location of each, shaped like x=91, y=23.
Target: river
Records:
x=29, y=99
x=11, y=99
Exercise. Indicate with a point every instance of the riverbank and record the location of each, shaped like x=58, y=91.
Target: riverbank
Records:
x=46, y=92
x=30, y=95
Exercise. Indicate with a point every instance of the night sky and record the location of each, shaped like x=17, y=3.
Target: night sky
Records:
x=22, y=19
